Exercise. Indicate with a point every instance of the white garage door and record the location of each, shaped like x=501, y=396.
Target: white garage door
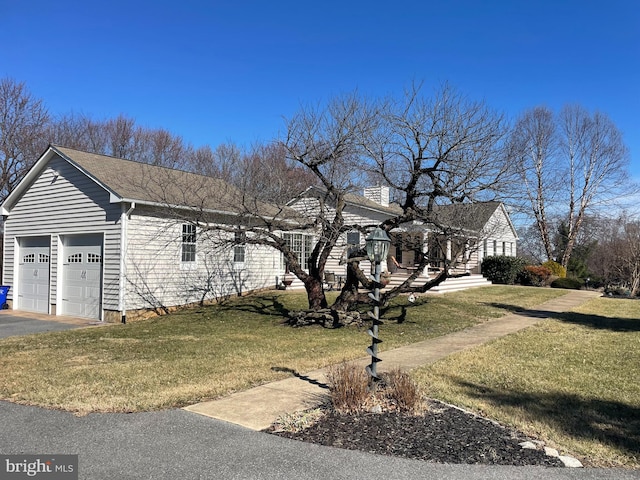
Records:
x=33, y=274
x=82, y=276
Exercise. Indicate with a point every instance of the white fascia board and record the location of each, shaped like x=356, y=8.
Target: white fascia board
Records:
x=116, y=199
x=27, y=180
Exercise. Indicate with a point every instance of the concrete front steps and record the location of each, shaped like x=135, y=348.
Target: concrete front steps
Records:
x=461, y=283
x=449, y=285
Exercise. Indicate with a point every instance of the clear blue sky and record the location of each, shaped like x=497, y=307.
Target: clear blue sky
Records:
x=217, y=71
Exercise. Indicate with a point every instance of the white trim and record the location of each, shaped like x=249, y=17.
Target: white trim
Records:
x=59, y=266
x=4, y=250
x=124, y=242
x=188, y=264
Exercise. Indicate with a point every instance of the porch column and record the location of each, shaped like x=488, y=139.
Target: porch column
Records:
x=466, y=254
x=425, y=253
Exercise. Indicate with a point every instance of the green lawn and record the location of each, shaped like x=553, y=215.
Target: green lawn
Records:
x=209, y=352
x=573, y=381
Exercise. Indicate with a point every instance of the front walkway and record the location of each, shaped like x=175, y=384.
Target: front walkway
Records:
x=260, y=407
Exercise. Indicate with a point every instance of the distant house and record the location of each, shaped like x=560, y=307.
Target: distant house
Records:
x=99, y=237
x=105, y=238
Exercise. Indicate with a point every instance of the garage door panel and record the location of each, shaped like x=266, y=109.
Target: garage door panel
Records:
x=74, y=309
x=72, y=292
x=93, y=275
x=33, y=274
x=93, y=292
x=82, y=278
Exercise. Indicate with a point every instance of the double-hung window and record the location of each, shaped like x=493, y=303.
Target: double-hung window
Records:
x=239, y=247
x=188, y=243
x=301, y=245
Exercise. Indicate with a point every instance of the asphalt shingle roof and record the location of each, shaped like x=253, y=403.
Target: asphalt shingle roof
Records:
x=466, y=216
x=140, y=182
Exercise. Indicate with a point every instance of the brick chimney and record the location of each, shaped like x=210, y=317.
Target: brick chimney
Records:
x=380, y=195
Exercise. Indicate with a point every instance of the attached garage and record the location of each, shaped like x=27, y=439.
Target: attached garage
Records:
x=81, y=280
x=34, y=255
x=93, y=236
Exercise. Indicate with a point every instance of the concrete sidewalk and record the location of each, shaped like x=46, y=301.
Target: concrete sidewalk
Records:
x=259, y=407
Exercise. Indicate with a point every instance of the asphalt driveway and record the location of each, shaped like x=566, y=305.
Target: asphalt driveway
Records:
x=22, y=323
x=176, y=444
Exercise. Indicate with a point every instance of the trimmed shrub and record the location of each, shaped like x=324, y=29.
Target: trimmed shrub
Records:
x=556, y=269
x=502, y=269
x=594, y=282
x=535, y=275
x=570, y=283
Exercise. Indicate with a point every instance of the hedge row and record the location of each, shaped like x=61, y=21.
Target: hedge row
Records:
x=510, y=270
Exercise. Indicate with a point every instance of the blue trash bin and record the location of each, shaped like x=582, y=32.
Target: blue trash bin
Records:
x=3, y=297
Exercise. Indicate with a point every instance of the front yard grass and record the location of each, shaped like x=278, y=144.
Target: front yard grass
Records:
x=208, y=352
x=572, y=381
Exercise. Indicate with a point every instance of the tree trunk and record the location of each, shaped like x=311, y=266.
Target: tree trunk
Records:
x=350, y=295
x=635, y=280
x=315, y=293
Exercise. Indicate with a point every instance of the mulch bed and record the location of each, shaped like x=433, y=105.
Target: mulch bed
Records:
x=443, y=434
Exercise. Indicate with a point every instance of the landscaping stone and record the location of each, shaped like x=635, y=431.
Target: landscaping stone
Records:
x=528, y=445
x=552, y=452
x=570, y=461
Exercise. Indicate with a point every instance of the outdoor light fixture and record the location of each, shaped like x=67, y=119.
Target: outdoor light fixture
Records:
x=377, y=249
x=378, y=245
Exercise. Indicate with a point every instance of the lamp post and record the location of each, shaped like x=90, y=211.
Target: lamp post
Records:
x=377, y=250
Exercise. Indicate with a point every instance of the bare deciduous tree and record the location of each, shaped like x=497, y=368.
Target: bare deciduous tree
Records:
x=121, y=137
x=597, y=166
x=164, y=149
x=436, y=151
x=616, y=259
x=534, y=145
x=23, y=123
x=569, y=165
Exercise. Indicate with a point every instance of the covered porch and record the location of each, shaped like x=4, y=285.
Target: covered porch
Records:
x=408, y=250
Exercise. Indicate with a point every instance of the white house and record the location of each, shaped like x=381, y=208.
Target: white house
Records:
x=95, y=236
x=101, y=237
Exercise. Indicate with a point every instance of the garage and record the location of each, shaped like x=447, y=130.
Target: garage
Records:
x=33, y=274
x=81, y=285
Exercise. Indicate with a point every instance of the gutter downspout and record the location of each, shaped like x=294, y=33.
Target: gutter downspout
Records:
x=124, y=218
